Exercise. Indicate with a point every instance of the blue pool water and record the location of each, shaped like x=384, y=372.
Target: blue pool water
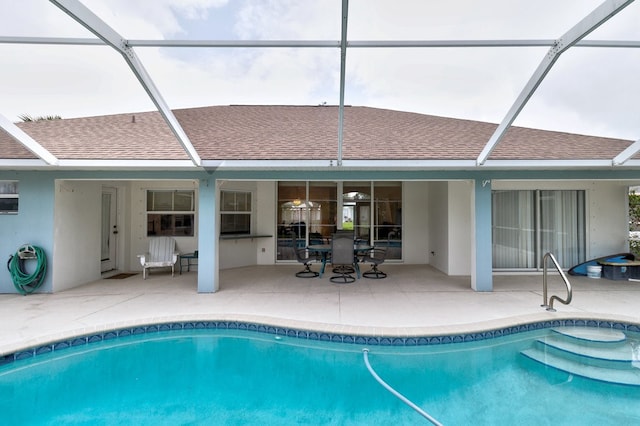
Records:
x=234, y=377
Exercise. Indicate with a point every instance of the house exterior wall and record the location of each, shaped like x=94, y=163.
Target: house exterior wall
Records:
x=460, y=216
x=450, y=216
x=34, y=223
x=60, y=212
x=77, y=237
x=266, y=212
x=607, y=231
x=415, y=222
x=438, y=224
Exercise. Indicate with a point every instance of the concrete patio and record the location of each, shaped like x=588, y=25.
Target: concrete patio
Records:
x=413, y=300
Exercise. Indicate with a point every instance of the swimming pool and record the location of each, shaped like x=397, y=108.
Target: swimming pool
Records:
x=268, y=376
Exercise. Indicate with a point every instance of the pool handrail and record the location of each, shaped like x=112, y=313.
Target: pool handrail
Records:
x=397, y=394
x=549, y=304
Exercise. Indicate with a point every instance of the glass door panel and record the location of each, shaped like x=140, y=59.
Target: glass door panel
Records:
x=356, y=209
x=513, y=230
x=292, y=217
x=323, y=197
x=388, y=217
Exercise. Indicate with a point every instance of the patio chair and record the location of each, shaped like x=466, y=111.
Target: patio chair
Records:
x=344, y=233
x=162, y=254
x=342, y=259
x=376, y=257
x=302, y=256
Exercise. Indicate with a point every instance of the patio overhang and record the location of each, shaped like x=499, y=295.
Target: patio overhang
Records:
x=34, y=164
x=462, y=164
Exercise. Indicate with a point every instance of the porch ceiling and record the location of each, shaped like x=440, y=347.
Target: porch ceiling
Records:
x=501, y=148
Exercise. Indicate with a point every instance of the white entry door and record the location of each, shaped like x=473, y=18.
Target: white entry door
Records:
x=109, y=230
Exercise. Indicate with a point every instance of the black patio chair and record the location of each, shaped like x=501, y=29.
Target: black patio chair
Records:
x=302, y=256
x=342, y=259
x=376, y=257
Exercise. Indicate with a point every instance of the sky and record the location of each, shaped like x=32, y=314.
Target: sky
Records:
x=592, y=91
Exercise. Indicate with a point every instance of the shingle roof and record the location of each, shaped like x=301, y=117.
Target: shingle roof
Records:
x=119, y=137
x=299, y=132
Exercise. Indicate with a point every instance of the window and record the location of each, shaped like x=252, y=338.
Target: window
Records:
x=315, y=210
x=528, y=224
x=170, y=213
x=8, y=197
x=235, y=213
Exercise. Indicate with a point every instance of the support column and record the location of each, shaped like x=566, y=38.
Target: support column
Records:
x=481, y=257
x=208, y=271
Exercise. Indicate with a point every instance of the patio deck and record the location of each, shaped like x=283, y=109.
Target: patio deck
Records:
x=413, y=300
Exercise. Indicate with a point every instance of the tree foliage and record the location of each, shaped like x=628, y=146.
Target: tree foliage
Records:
x=634, y=211
x=634, y=221
x=29, y=117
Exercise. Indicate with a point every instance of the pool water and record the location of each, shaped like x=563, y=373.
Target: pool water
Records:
x=234, y=377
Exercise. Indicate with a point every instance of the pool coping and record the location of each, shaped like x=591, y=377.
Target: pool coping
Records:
x=337, y=333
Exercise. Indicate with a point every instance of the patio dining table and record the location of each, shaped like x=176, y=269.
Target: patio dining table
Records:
x=325, y=249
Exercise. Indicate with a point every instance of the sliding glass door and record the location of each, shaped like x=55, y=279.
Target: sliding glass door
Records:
x=314, y=211
x=527, y=224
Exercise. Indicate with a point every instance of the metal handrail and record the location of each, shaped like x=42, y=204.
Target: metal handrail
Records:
x=549, y=306
x=365, y=353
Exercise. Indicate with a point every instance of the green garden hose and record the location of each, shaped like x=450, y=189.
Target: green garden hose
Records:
x=24, y=282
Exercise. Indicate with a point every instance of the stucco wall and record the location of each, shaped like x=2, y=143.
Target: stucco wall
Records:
x=460, y=228
x=77, y=233
x=266, y=206
x=607, y=223
x=32, y=225
x=438, y=225
x=415, y=223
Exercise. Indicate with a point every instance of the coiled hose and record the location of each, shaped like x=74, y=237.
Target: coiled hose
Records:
x=24, y=282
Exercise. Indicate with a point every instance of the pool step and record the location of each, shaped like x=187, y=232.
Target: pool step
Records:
x=591, y=334
x=598, y=354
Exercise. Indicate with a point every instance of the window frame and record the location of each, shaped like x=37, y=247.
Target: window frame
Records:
x=5, y=194
x=169, y=214
x=319, y=206
x=236, y=208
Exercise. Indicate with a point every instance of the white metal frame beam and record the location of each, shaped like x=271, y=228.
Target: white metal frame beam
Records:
x=625, y=155
x=101, y=29
x=343, y=64
x=589, y=23
x=107, y=35
x=319, y=43
x=27, y=141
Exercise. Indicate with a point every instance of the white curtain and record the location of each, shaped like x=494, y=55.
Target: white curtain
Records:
x=528, y=224
x=562, y=226
x=513, y=229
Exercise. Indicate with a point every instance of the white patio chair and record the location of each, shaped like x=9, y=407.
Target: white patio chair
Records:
x=162, y=254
